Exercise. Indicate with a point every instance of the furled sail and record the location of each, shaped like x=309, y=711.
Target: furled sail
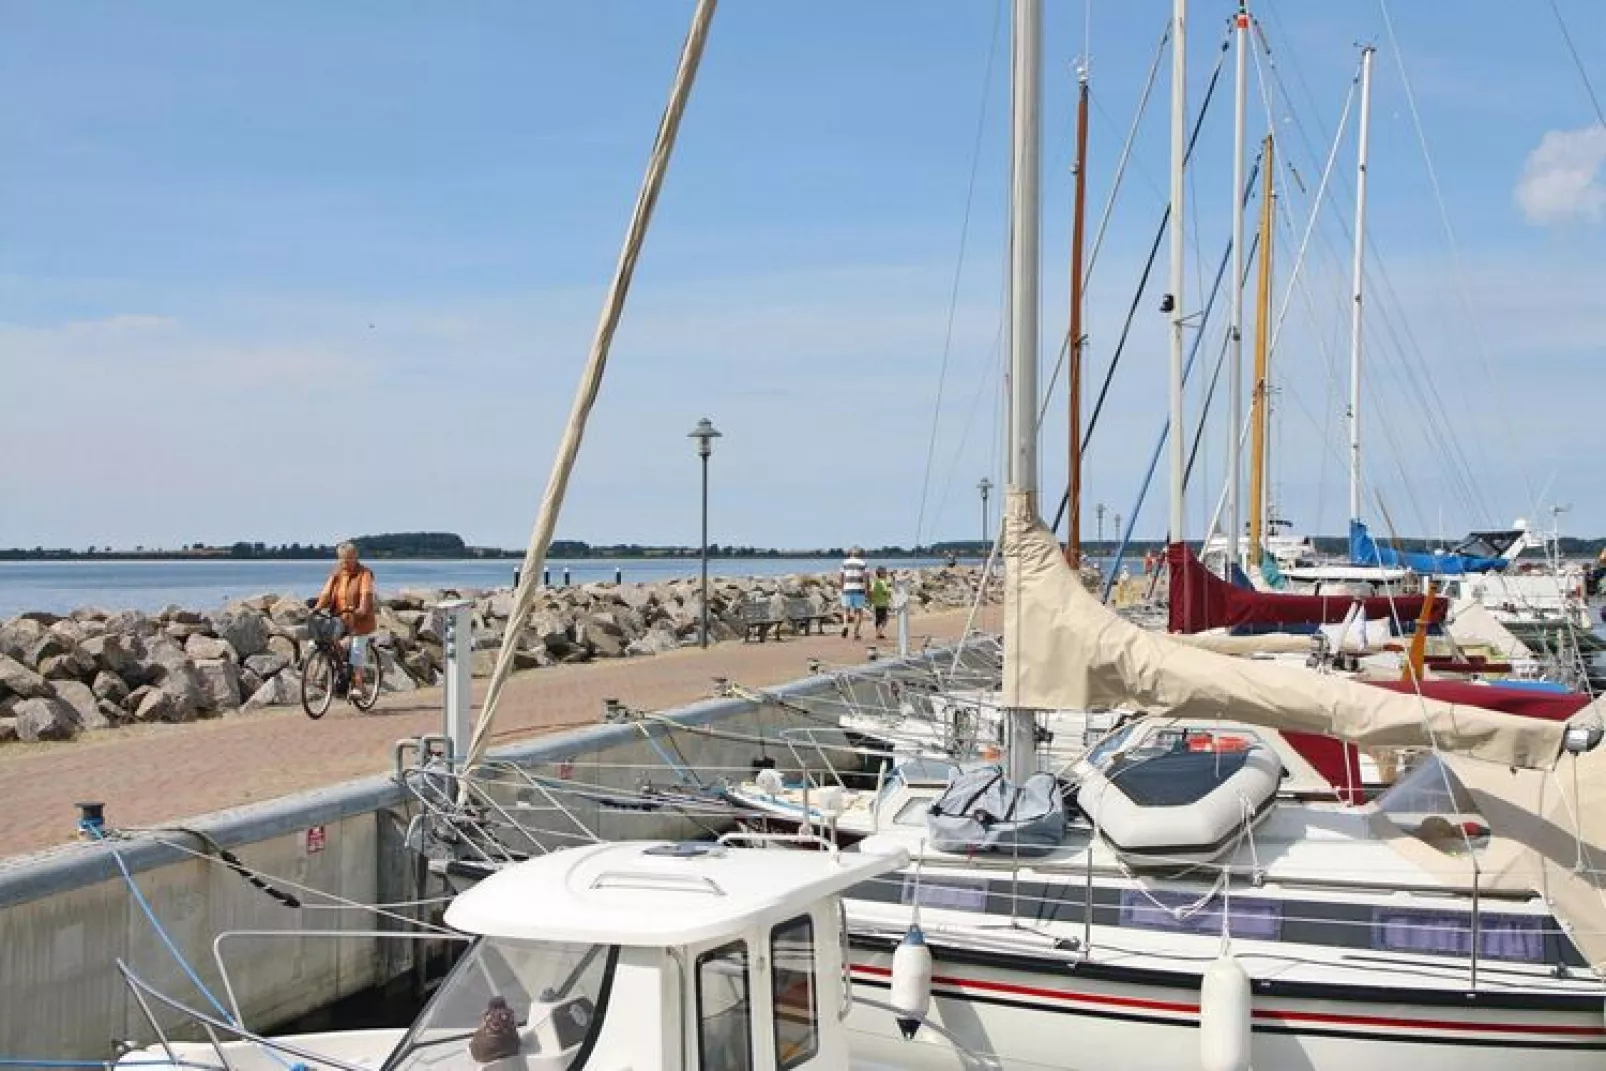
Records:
x=1364, y=550
x=1201, y=600
x=1063, y=649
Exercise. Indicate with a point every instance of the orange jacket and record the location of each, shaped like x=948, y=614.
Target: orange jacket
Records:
x=344, y=592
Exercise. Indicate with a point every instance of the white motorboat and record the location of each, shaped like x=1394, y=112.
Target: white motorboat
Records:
x=634, y=955
x=842, y=815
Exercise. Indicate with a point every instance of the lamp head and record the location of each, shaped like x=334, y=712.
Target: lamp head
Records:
x=705, y=433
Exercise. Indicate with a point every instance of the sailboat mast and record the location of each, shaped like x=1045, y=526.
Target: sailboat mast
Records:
x=1259, y=417
x=1179, y=106
x=1073, y=539
x=1024, y=230
x=1235, y=370
x=1356, y=288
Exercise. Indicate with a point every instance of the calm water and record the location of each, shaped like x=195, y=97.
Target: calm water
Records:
x=58, y=587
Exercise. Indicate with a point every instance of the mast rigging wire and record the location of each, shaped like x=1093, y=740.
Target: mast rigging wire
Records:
x=959, y=268
x=1148, y=268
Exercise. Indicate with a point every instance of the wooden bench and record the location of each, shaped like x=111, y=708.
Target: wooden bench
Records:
x=800, y=613
x=758, y=619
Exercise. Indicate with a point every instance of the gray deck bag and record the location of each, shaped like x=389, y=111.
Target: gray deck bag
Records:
x=982, y=811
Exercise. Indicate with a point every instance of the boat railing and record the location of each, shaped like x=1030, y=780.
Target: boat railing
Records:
x=433, y=933
x=148, y=999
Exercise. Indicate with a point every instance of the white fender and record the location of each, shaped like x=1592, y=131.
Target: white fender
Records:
x=911, y=981
x=770, y=782
x=1224, y=1017
x=829, y=800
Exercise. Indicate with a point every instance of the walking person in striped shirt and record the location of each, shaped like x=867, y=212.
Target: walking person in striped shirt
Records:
x=853, y=591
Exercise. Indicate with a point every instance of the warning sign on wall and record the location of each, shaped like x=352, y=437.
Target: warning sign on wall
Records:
x=316, y=838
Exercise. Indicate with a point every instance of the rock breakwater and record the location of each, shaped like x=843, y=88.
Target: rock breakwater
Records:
x=97, y=669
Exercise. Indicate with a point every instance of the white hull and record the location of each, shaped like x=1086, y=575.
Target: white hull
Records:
x=1063, y=1018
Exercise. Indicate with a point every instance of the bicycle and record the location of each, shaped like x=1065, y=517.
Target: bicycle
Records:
x=326, y=670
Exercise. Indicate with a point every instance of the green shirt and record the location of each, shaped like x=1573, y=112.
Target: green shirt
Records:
x=881, y=591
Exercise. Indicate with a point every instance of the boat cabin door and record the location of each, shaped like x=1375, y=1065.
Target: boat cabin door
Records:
x=771, y=999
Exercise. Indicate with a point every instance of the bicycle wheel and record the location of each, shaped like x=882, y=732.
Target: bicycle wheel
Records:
x=317, y=683
x=365, y=697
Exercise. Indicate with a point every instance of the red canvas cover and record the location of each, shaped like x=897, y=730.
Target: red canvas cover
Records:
x=1200, y=600
x=1340, y=763
x=1530, y=703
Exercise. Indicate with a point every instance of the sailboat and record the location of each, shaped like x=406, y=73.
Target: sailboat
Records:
x=1193, y=914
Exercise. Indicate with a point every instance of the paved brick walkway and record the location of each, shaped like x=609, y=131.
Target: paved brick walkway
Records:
x=163, y=773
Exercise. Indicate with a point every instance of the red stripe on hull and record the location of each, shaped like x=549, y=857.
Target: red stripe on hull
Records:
x=1268, y=1014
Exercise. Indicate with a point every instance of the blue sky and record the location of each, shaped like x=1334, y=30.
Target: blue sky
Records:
x=294, y=271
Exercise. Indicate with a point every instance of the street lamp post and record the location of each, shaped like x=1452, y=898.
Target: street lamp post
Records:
x=1098, y=511
x=705, y=435
x=986, y=488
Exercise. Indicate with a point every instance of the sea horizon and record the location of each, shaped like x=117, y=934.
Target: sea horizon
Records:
x=60, y=587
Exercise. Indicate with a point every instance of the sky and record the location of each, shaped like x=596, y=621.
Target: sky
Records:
x=298, y=271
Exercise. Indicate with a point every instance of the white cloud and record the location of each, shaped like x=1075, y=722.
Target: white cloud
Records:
x=1562, y=179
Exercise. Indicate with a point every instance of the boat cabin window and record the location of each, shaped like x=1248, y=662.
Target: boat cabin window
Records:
x=914, y=812
x=724, y=1010
x=510, y=998
x=1138, y=741
x=797, y=1033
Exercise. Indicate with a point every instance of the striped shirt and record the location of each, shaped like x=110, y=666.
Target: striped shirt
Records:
x=853, y=574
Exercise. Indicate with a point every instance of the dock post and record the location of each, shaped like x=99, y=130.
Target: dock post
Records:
x=457, y=630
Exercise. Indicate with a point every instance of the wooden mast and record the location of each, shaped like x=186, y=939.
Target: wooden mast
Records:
x=1260, y=403
x=1073, y=539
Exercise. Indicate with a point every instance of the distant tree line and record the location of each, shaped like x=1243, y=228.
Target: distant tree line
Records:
x=451, y=545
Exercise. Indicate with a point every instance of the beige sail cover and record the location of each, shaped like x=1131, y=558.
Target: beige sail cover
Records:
x=1063, y=649
x=1548, y=836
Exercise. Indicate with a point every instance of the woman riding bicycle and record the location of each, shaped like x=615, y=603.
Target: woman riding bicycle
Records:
x=349, y=593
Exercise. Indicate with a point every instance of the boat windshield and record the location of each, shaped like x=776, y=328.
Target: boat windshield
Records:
x=507, y=998
x=1431, y=805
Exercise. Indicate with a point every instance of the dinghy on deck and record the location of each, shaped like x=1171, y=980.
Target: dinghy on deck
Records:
x=1180, y=807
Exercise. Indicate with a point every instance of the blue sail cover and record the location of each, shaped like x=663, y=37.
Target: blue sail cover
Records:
x=1364, y=550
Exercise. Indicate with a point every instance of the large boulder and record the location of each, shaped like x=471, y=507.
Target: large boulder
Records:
x=45, y=719
x=132, y=623
x=69, y=665
x=18, y=680
x=281, y=690
x=48, y=645
x=112, y=652
x=393, y=676
x=71, y=631
x=8, y=729
x=170, y=669
x=110, y=687
x=289, y=612
x=266, y=664
x=18, y=636
x=220, y=683
x=499, y=604
x=602, y=635
x=283, y=646
x=180, y=631
x=157, y=705
x=201, y=647
x=655, y=641
x=84, y=703
x=246, y=631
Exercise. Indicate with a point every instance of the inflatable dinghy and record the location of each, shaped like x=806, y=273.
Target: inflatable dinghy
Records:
x=1182, y=806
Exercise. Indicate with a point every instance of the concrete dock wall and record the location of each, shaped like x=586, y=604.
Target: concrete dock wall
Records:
x=68, y=916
